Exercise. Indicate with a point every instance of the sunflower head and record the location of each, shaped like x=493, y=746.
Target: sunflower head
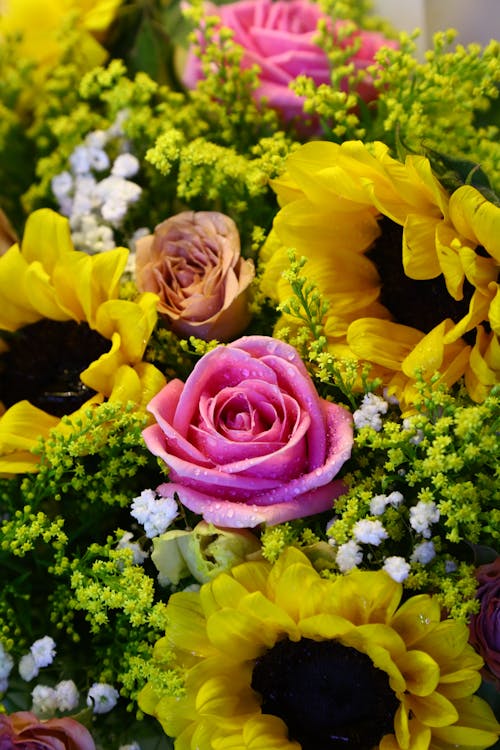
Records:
x=277, y=657
x=410, y=274
x=67, y=340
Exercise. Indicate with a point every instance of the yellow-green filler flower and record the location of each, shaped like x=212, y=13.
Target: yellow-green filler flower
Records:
x=410, y=273
x=66, y=341
x=277, y=657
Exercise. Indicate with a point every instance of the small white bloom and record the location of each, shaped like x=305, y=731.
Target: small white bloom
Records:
x=409, y=426
x=79, y=160
x=395, y=498
x=193, y=587
x=6, y=663
x=154, y=513
x=44, y=700
x=43, y=651
x=125, y=543
x=114, y=210
x=131, y=746
x=27, y=667
x=423, y=553
x=125, y=165
x=368, y=415
x=62, y=184
x=96, y=139
x=98, y=159
x=103, y=698
x=67, y=695
x=397, y=567
x=378, y=504
x=422, y=515
x=349, y=555
x=369, y=532
x=450, y=566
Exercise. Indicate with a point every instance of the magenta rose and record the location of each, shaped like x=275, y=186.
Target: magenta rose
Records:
x=279, y=38
x=24, y=731
x=247, y=439
x=193, y=262
x=485, y=626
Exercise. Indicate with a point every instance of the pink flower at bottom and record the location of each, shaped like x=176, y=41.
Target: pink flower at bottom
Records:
x=247, y=439
x=24, y=731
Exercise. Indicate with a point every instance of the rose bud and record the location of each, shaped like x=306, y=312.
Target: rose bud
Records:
x=193, y=263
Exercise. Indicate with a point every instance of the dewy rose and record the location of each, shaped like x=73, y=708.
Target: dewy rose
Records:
x=247, y=438
x=278, y=36
x=193, y=263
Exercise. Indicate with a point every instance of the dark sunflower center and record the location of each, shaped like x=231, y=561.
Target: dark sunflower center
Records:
x=421, y=304
x=330, y=696
x=44, y=362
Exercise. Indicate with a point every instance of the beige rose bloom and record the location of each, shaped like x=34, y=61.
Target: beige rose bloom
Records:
x=193, y=262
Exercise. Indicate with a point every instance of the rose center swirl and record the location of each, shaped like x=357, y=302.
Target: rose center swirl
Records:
x=421, y=304
x=330, y=696
x=44, y=362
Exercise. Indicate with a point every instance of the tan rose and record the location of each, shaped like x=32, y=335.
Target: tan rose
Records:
x=193, y=263
x=23, y=731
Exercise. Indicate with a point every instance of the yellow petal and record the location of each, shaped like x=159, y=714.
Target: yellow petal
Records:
x=416, y=617
x=186, y=626
x=434, y=710
x=325, y=626
x=420, y=671
x=16, y=309
x=382, y=341
x=476, y=218
x=420, y=259
x=47, y=237
x=246, y=634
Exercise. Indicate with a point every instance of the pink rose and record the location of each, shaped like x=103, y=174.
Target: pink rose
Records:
x=24, y=731
x=279, y=38
x=485, y=626
x=193, y=263
x=247, y=439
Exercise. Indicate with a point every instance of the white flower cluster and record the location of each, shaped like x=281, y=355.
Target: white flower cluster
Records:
x=41, y=654
x=370, y=412
x=126, y=543
x=102, y=698
x=6, y=664
x=422, y=516
x=47, y=700
x=155, y=514
x=379, y=503
x=95, y=207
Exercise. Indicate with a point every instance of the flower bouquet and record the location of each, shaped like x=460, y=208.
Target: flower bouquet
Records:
x=249, y=379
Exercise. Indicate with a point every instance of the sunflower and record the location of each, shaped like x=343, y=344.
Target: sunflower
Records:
x=278, y=658
x=66, y=340
x=410, y=273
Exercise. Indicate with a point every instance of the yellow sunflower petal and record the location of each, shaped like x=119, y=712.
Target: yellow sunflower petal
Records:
x=420, y=671
x=484, y=364
x=16, y=309
x=476, y=218
x=44, y=297
x=325, y=626
x=46, y=238
x=186, y=627
x=383, y=342
x=134, y=321
x=20, y=428
x=416, y=617
x=267, y=732
x=434, y=710
x=248, y=637
x=420, y=258
x=432, y=354
x=252, y=575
